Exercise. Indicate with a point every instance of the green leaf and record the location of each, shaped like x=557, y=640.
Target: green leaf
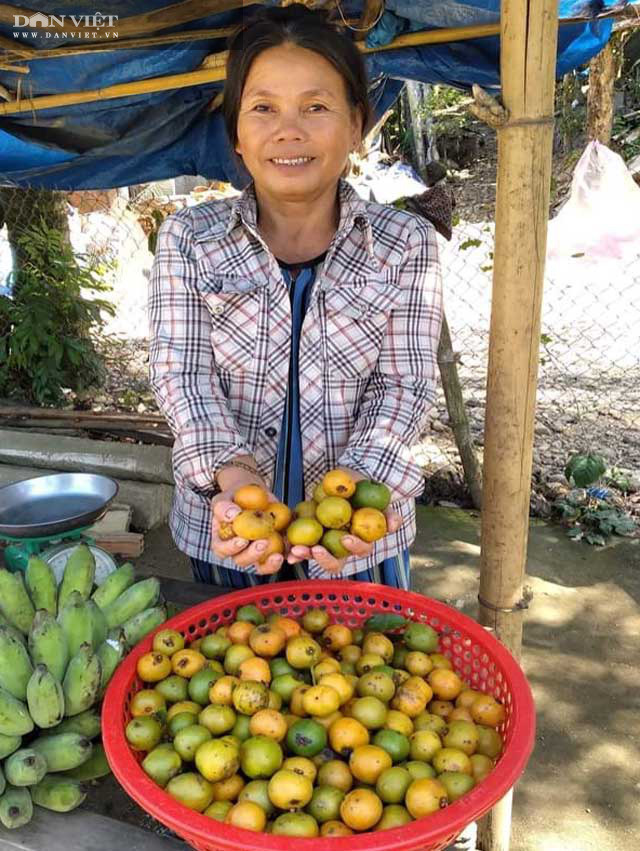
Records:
x=596, y=540
x=384, y=623
x=584, y=470
x=470, y=243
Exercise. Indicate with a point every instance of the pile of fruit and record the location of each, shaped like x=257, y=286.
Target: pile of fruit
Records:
x=308, y=728
x=339, y=506
x=59, y=647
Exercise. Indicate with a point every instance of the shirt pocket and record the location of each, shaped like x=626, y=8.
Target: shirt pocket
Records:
x=234, y=306
x=356, y=323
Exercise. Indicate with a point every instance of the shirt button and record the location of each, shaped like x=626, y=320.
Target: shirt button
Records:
x=218, y=309
x=271, y=431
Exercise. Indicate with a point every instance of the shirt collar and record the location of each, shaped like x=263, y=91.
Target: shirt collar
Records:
x=353, y=212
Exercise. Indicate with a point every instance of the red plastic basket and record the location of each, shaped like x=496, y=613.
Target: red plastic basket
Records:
x=477, y=656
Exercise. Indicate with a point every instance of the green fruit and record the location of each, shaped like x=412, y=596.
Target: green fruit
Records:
x=295, y=824
x=86, y=724
x=143, y=733
x=15, y=664
x=370, y=711
x=98, y=623
x=191, y=790
x=218, y=810
x=3, y=782
x=180, y=721
x=306, y=738
x=325, y=803
x=334, y=512
x=235, y=656
x=420, y=770
x=332, y=541
x=419, y=636
x=59, y=793
x=48, y=644
x=399, y=655
x=81, y=684
x=249, y=697
x=214, y=646
x=41, y=585
x=251, y=614
x=45, y=698
x=63, y=751
x=428, y=721
x=9, y=744
x=187, y=741
x=132, y=602
x=451, y=759
x=241, y=728
x=79, y=575
x=463, y=735
x=376, y=684
x=371, y=495
x=258, y=792
x=77, y=623
x=95, y=767
x=395, y=744
x=110, y=653
x=285, y=685
x=143, y=623
x=162, y=763
x=15, y=604
x=217, y=719
x=200, y=684
x=16, y=807
x=489, y=741
x=260, y=757
x=217, y=759
x=14, y=716
x=392, y=784
x=25, y=767
x=456, y=783
x=174, y=689
x=393, y=815
x=424, y=745
x=115, y=584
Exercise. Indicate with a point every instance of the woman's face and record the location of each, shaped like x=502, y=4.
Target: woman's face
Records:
x=294, y=104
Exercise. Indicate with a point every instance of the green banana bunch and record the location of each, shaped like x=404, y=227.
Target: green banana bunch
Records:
x=139, y=625
x=64, y=751
x=15, y=604
x=95, y=767
x=81, y=683
x=16, y=807
x=114, y=585
x=9, y=744
x=48, y=644
x=59, y=793
x=14, y=716
x=98, y=623
x=15, y=664
x=41, y=585
x=131, y=602
x=25, y=767
x=3, y=782
x=45, y=698
x=79, y=574
x=86, y=724
x=75, y=620
x=110, y=653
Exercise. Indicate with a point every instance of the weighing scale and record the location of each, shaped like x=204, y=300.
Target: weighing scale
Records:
x=49, y=516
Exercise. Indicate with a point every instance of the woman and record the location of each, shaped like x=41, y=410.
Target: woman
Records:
x=295, y=327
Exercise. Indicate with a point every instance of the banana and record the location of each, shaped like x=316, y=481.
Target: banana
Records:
x=114, y=585
x=3, y=782
x=76, y=622
x=15, y=604
x=41, y=585
x=98, y=622
x=45, y=698
x=25, y=767
x=15, y=664
x=81, y=682
x=110, y=653
x=138, y=626
x=96, y=766
x=79, y=574
x=64, y=751
x=14, y=716
x=86, y=724
x=131, y=602
x=9, y=744
x=15, y=632
x=48, y=644
x=16, y=807
x=58, y=793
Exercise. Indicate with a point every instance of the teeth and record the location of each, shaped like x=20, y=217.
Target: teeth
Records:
x=297, y=161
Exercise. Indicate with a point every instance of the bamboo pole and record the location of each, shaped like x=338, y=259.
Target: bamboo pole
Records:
x=528, y=35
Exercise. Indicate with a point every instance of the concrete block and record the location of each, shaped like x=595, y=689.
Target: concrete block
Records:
x=151, y=503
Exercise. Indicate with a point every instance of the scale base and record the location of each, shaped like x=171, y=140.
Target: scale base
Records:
x=55, y=550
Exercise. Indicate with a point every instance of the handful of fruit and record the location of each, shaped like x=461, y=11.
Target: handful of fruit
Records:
x=307, y=728
x=339, y=507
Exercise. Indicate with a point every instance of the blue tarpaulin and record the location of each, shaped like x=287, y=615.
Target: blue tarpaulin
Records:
x=150, y=137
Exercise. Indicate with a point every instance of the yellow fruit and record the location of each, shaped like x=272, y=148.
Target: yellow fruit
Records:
x=319, y=493
x=320, y=700
x=302, y=652
x=268, y=722
x=267, y=640
x=305, y=532
x=239, y=632
x=221, y=691
x=326, y=666
x=367, y=763
x=334, y=512
x=290, y=627
x=335, y=828
x=289, y=790
x=252, y=525
x=425, y=796
x=446, y=685
x=146, y=702
x=301, y=765
x=256, y=669
x=186, y=663
x=183, y=706
x=486, y=710
x=361, y=809
x=337, y=636
x=167, y=641
x=338, y=682
x=368, y=524
x=252, y=498
x=229, y=789
x=153, y=667
x=225, y=531
x=248, y=815
x=275, y=544
x=307, y=508
x=347, y=734
x=338, y=483
x=281, y=514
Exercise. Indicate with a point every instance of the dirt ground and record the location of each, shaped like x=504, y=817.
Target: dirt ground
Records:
x=580, y=789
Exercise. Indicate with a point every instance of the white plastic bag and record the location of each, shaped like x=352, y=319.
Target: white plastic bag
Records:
x=601, y=219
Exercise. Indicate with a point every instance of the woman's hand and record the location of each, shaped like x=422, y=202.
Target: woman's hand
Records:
x=243, y=552
x=356, y=546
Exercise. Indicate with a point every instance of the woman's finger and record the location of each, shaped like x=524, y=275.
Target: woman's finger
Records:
x=253, y=552
x=224, y=510
x=326, y=560
x=230, y=548
x=394, y=520
x=271, y=565
x=298, y=553
x=356, y=545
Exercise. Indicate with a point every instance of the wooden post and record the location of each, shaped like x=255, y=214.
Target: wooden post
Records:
x=528, y=32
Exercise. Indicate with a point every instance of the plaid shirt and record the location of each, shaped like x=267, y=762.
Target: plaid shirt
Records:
x=221, y=336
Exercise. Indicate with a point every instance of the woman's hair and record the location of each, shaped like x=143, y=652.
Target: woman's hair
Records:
x=296, y=24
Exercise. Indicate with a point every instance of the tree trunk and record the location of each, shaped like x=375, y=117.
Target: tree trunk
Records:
x=602, y=74
x=416, y=123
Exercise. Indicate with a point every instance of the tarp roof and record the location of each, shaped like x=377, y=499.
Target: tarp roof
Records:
x=156, y=136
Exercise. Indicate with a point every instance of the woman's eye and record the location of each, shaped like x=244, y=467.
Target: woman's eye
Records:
x=261, y=106
x=320, y=105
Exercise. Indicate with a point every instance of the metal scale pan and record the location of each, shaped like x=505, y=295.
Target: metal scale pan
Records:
x=51, y=505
